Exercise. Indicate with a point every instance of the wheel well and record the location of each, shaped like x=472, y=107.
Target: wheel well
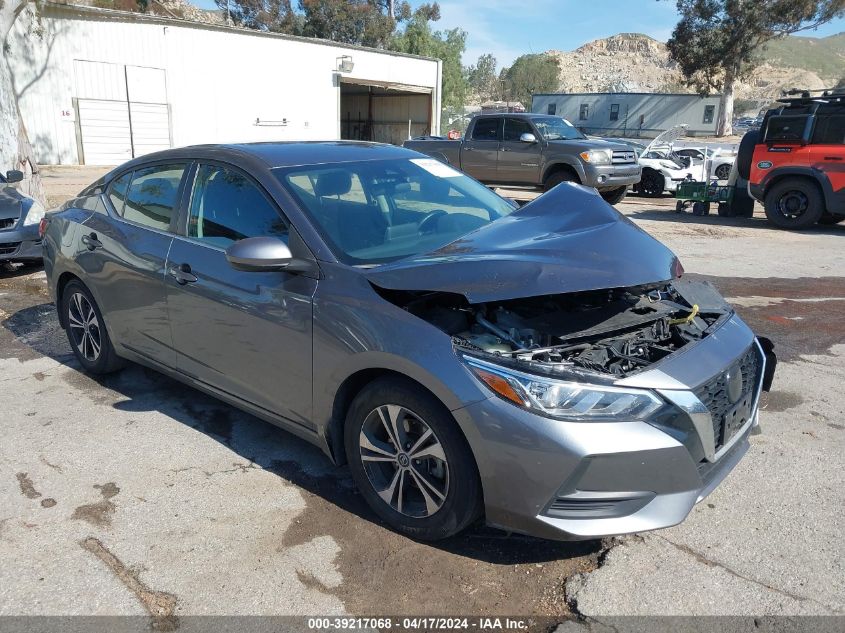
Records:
x=561, y=167
x=351, y=387
x=64, y=280
x=779, y=179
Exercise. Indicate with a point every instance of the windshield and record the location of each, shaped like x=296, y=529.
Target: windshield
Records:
x=553, y=128
x=373, y=212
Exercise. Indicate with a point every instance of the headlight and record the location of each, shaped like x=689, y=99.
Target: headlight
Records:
x=564, y=400
x=597, y=157
x=34, y=215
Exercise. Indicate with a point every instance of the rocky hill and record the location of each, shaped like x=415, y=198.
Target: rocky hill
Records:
x=632, y=62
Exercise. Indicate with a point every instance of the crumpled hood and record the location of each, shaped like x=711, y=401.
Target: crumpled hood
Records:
x=567, y=240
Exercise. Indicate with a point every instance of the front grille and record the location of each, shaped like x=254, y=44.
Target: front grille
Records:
x=7, y=223
x=622, y=157
x=9, y=248
x=714, y=393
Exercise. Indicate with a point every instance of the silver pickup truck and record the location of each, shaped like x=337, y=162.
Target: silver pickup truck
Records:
x=536, y=150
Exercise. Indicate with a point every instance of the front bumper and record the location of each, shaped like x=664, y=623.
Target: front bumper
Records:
x=604, y=177
x=20, y=244
x=582, y=480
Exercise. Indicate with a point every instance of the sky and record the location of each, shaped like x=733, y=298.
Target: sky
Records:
x=510, y=28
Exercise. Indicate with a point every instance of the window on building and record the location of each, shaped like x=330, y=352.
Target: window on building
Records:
x=226, y=206
x=552, y=109
x=486, y=129
x=614, y=111
x=709, y=112
x=514, y=128
x=584, y=112
x=152, y=196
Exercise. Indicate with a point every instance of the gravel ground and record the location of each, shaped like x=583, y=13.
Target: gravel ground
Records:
x=136, y=495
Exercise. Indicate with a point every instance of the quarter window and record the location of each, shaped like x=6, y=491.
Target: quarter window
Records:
x=226, y=206
x=486, y=129
x=152, y=196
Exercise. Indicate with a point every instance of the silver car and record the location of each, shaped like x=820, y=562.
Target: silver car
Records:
x=546, y=368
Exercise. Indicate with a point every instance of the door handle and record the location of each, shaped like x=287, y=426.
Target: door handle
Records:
x=182, y=274
x=504, y=149
x=833, y=158
x=91, y=241
x=466, y=149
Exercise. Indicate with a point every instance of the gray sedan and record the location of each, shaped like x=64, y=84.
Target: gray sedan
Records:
x=546, y=368
x=20, y=217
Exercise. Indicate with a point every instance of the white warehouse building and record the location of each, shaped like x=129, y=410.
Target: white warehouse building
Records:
x=100, y=87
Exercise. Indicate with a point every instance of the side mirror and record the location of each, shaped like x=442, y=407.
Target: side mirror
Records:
x=14, y=175
x=527, y=137
x=260, y=254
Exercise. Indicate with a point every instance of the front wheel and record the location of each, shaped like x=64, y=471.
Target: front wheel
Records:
x=652, y=184
x=86, y=331
x=614, y=196
x=723, y=172
x=794, y=203
x=829, y=218
x=410, y=460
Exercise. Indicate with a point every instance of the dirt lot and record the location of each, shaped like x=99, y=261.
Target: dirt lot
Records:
x=133, y=494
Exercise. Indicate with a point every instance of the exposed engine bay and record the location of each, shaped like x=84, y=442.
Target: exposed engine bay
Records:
x=614, y=332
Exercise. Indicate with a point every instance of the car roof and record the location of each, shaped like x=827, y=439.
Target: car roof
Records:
x=283, y=153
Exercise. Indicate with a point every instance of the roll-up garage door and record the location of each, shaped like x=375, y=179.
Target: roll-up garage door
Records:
x=104, y=127
x=150, y=127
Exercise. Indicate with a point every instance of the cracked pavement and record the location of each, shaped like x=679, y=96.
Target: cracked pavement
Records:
x=134, y=494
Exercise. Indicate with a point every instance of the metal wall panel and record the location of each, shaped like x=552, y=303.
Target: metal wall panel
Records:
x=99, y=80
x=104, y=127
x=146, y=85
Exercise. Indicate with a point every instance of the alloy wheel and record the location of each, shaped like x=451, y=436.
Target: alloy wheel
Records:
x=404, y=461
x=84, y=327
x=793, y=204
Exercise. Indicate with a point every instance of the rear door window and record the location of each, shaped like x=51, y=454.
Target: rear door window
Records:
x=830, y=130
x=153, y=196
x=486, y=129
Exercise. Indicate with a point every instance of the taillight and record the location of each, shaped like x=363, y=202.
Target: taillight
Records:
x=42, y=227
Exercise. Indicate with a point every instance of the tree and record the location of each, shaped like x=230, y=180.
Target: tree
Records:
x=530, y=74
x=276, y=16
x=15, y=150
x=715, y=41
x=483, y=78
x=447, y=46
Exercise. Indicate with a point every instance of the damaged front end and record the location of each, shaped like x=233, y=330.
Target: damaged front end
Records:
x=606, y=334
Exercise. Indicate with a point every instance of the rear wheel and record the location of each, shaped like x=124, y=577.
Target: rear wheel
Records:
x=410, y=460
x=555, y=178
x=86, y=331
x=614, y=196
x=701, y=208
x=794, y=203
x=652, y=183
x=723, y=171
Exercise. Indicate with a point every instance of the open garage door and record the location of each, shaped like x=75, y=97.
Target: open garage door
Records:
x=384, y=113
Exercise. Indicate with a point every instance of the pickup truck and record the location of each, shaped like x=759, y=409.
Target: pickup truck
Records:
x=536, y=150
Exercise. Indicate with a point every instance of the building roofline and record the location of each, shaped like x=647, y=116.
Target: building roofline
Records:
x=131, y=16
x=604, y=94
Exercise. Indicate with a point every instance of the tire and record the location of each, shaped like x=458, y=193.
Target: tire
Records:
x=652, y=184
x=449, y=470
x=745, y=153
x=724, y=210
x=557, y=177
x=829, y=218
x=723, y=171
x=86, y=328
x=794, y=203
x=680, y=206
x=701, y=208
x=742, y=205
x=614, y=196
